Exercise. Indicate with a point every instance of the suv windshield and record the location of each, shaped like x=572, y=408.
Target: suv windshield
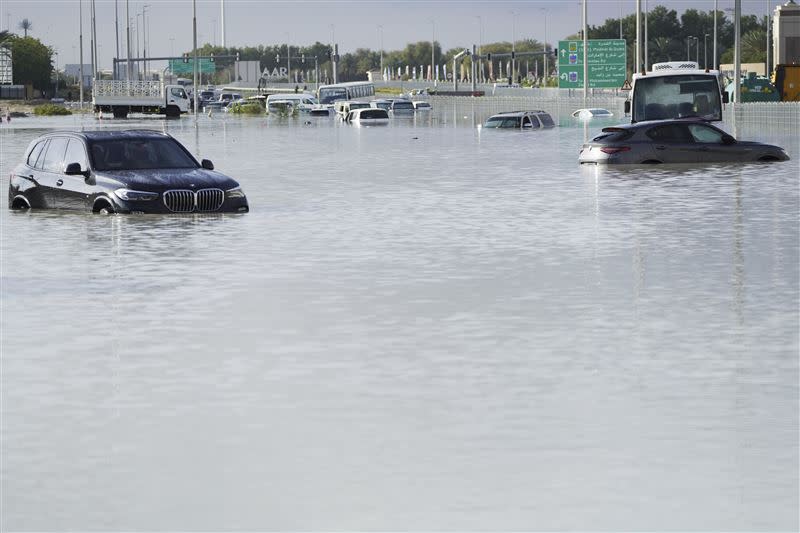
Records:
x=139, y=154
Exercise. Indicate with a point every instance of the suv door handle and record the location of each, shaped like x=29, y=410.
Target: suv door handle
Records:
x=661, y=147
x=60, y=183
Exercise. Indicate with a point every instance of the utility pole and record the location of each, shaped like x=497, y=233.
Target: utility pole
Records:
x=144, y=37
x=705, y=51
x=513, y=47
x=128, y=47
x=194, y=63
x=546, y=12
x=638, y=54
x=689, y=48
x=222, y=17
x=433, y=47
x=380, y=32
x=769, y=42
x=116, y=37
x=91, y=38
x=288, y=61
x=737, y=52
x=586, y=55
x=715, y=34
x=80, y=46
x=646, y=53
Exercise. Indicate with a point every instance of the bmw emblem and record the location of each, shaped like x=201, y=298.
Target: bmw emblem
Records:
x=192, y=185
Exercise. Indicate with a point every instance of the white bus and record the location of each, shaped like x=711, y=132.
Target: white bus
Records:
x=328, y=94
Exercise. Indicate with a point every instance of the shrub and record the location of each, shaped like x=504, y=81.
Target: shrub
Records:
x=48, y=110
x=250, y=108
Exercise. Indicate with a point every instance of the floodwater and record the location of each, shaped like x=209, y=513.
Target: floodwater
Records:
x=423, y=326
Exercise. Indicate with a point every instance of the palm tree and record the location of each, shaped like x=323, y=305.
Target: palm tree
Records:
x=754, y=46
x=661, y=47
x=5, y=36
x=25, y=25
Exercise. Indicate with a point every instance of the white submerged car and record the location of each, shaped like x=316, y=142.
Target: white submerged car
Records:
x=595, y=112
x=369, y=116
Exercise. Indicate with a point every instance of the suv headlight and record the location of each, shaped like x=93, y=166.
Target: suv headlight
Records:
x=135, y=196
x=236, y=192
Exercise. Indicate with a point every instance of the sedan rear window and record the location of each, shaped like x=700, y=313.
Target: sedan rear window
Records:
x=139, y=154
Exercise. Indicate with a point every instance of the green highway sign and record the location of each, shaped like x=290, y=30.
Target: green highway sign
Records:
x=205, y=66
x=607, y=63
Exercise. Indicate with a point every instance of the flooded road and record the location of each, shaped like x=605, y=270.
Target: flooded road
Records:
x=423, y=326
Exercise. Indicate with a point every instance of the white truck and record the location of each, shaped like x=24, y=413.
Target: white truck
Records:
x=676, y=89
x=121, y=97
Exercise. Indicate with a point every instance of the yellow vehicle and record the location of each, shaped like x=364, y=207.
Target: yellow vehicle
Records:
x=786, y=79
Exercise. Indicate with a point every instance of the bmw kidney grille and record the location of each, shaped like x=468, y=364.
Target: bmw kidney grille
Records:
x=186, y=201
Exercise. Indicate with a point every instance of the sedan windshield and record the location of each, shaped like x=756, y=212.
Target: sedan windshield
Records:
x=139, y=154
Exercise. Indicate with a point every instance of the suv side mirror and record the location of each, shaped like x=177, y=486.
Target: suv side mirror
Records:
x=725, y=98
x=74, y=169
x=207, y=164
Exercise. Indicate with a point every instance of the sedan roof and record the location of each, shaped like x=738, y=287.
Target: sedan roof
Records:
x=650, y=123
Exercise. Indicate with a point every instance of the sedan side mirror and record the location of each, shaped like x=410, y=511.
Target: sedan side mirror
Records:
x=74, y=169
x=207, y=164
x=728, y=139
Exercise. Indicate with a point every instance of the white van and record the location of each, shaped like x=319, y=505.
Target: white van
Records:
x=301, y=101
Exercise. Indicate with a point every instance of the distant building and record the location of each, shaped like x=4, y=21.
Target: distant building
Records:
x=6, y=73
x=73, y=70
x=786, y=34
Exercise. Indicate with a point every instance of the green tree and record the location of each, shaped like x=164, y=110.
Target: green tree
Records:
x=31, y=62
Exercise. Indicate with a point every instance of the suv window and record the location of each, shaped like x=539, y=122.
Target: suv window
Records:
x=35, y=154
x=706, y=134
x=547, y=120
x=54, y=159
x=671, y=133
x=76, y=153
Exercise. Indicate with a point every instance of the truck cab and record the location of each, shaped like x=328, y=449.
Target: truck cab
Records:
x=676, y=89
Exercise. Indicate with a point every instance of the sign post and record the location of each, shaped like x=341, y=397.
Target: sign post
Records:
x=607, y=64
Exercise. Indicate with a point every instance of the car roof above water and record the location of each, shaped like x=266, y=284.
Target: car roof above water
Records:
x=99, y=135
x=651, y=123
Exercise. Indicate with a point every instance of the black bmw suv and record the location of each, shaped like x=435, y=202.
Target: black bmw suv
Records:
x=138, y=171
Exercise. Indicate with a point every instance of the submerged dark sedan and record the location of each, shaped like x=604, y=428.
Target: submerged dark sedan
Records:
x=690, y=140
x=138, y=171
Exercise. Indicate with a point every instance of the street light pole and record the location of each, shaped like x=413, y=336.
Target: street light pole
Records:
x=194, y=62
x=689, y=48
x=715, y=34
x=380, y=40
x=80, y=46
x=546, y=13
x=705, y=50
x=144, y=37
x=433, y=48
x=737, y=51
x=646, y=53
x=769, y=42
x=638, y=54
x=116, y=37
x=586, y=54
x=128, y=38
x=480, y=45
x=513, y=46
x=697, y=51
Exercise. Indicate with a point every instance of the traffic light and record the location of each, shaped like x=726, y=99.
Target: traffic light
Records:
x=185, y=58
x=277, y=58
x=513, y=54
x=489, y=57
x=237, y=56
x=212, y=57
x=303, y=58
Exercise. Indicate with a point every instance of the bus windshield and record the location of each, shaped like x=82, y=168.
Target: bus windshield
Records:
x=328, y=95
x=678, y=96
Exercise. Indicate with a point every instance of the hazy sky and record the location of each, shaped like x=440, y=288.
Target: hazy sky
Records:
x=353, y=24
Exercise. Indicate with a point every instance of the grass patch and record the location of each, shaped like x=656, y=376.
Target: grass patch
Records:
x=250, y=108
x=50, y=110
x=394, y=91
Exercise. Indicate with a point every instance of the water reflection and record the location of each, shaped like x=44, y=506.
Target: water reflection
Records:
x=432, y=304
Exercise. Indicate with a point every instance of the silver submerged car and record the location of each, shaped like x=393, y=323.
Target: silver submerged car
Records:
x=673, y=141
x=524, y=120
